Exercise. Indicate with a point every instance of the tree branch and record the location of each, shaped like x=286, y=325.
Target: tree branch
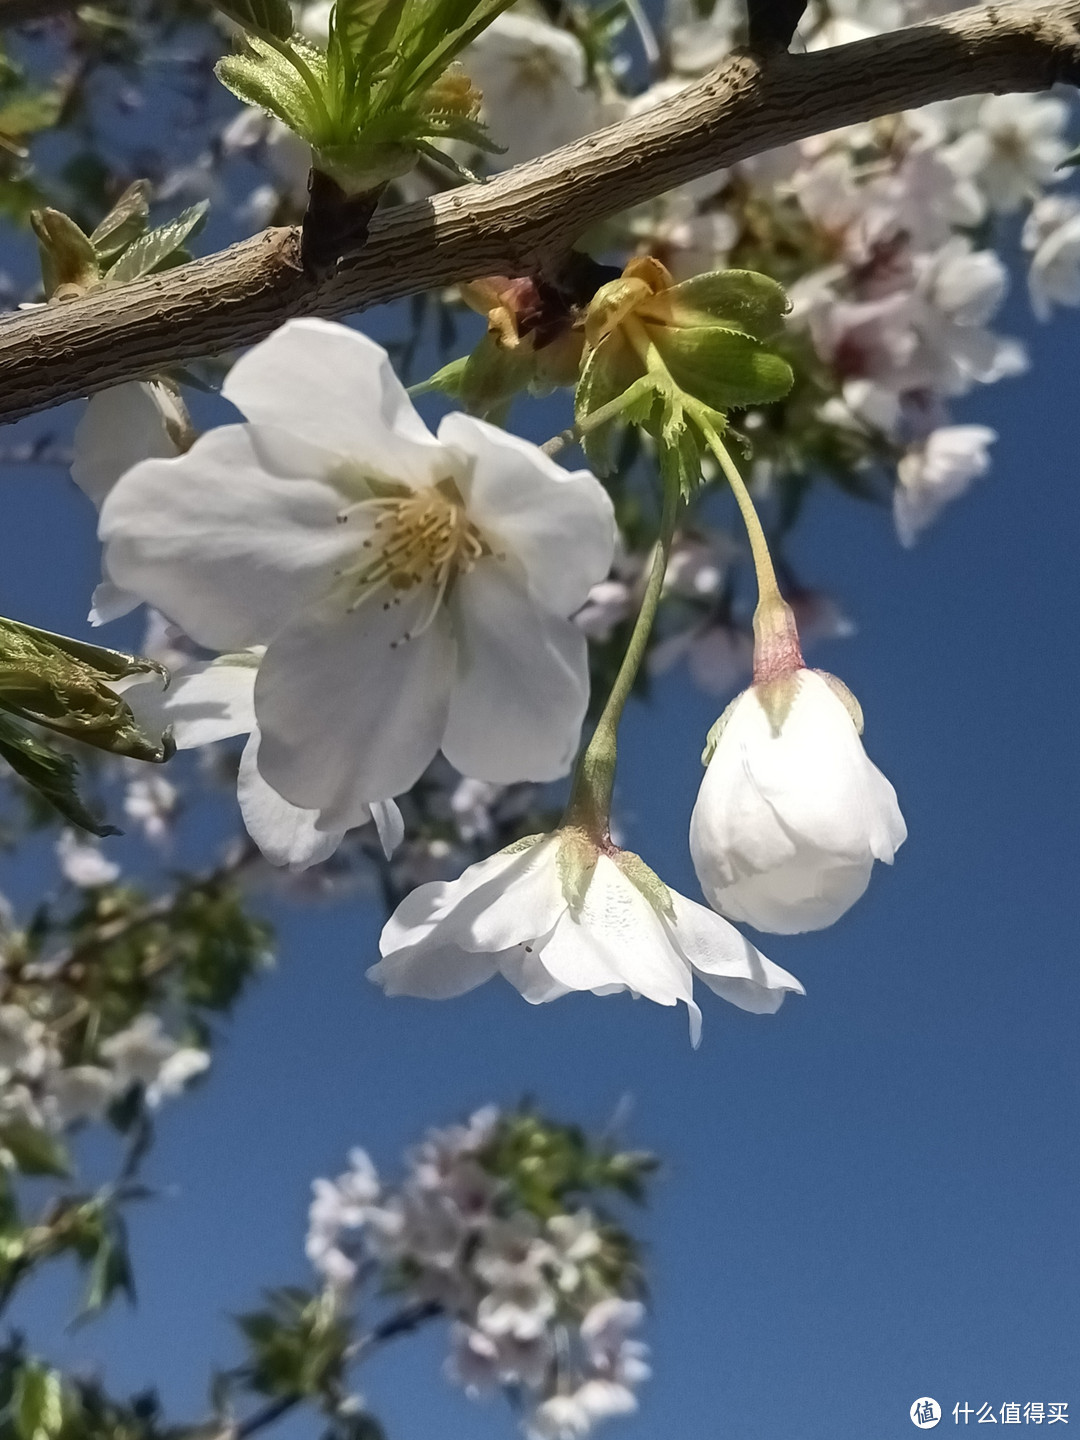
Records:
x=530, y=215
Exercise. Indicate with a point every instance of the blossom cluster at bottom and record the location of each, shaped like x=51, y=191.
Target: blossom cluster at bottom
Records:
x=496, y=1227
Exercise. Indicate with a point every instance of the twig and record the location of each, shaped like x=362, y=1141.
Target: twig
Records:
x=528, y=217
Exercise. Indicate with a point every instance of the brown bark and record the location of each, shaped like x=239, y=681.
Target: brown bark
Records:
x=529, y=216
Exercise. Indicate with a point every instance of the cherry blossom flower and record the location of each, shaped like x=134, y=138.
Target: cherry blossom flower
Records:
x=936, y=472
x=791, y=814
x=533, y=79
x=82, y=862
x=554, y=914
x=211, y=700
x=412, y=592
x=1013, y=148
x=1052, y=232
x=143, y=1054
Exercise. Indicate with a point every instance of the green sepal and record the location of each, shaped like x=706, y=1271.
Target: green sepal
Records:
x=646, y=881
x=846, y=698
x=575, y=865
x=716, y=730
x=63, y=684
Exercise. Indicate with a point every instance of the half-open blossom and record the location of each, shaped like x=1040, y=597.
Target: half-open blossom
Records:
x=210, y=700
x=412, y=592
x=791, y=814
x=556, y=913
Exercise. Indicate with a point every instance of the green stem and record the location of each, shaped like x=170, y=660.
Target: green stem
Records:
x=768, y=589
x=590, y=798
x=776, y=636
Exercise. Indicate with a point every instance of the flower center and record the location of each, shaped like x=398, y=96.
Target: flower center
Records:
x=420, y=538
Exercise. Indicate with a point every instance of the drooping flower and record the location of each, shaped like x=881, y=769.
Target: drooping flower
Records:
x=557, y=913
x=791, y=814
x=210, y=700
x=412, y=592
x=936, y=472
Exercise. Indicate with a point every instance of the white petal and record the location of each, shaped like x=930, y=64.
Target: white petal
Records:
x=559, y=524
x=120, y=427
x=223, y=546
x=284, y=833
x=808, y=892
x=433, y=972
x=109, y=602
x=507, y=900
x=726, y=960
x=350, y=710
x=336, y=389
x=788, y=823
x=616, y=942
x=207, y=700
x=390, y=825
x=522, y=682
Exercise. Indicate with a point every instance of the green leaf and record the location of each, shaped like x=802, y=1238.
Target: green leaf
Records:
x=264, y=77
x=48, y=772
x=63, y=684
x=34, y=1151
x=124, y=223
x=731, y=299
x=37, y=1405
x=442, y=30
x=365, y=29
x=724, y=369
x=110, y=1272
x=26, y=114
x=151, y=251
x=266, y=18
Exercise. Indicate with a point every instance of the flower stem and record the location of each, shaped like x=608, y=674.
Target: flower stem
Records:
x=590, y=798
x=768, y=589
x=776, y=636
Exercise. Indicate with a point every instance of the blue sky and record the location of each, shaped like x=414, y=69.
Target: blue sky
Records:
x=867, y=1198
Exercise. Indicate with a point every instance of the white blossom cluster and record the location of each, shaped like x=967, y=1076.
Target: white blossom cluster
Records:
x=40, y=1089
x=535, y=1304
